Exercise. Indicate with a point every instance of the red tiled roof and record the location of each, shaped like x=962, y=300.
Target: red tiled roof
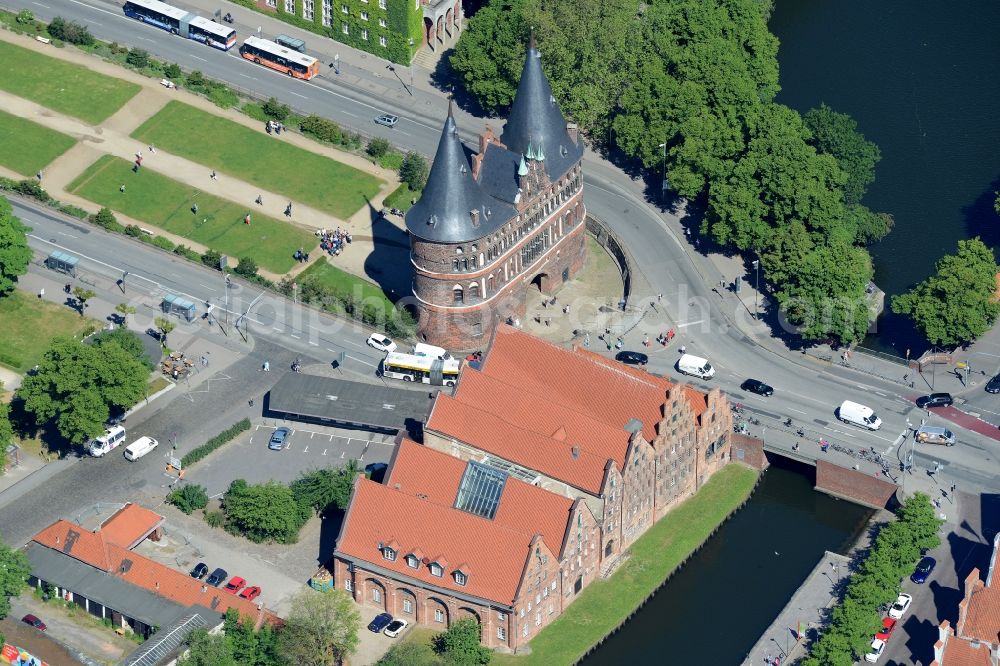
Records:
x=96, y=550
x=961, y=653
x=130, y=525
x=982, y=620
x=436, y=476
x=540, y=453
x=543, y=415
x=583, y=381
x=494, y=555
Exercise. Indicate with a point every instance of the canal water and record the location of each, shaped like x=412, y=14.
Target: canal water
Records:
x=921, y=80
x=715, y=608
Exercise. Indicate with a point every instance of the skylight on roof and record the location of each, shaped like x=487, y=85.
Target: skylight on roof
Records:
x=480, y=490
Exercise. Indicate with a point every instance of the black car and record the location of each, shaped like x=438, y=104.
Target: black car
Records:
x=993, y=386
x=758, y=387
x=217, y=577
x=380, y=622
x=632, y=357
x=935, y=400
x=200, y=570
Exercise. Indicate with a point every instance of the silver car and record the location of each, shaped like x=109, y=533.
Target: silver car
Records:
x=387, y=119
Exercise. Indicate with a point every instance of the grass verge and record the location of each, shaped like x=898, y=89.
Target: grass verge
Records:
x=28, y=324
x=401, y=197
x=605, y=603
x=26, y=146
x=331, y=277
x=152, y=197
x=265, y=161
x=61, y=86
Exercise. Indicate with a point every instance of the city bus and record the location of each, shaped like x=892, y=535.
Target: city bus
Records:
x=267, y=53
x=211, y=33
x=181, y=22
x=412, y=368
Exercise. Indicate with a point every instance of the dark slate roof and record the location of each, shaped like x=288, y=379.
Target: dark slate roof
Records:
x=535, y=117
x=498, y=176
x=352, y=404
x=443, y=213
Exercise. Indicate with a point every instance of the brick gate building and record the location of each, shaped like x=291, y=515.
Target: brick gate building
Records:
x=483, y=233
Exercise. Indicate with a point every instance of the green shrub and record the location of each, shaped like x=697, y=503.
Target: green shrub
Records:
x=223, y=437
x=275, y=109
x=32, y=188
x=173, y=71
x=133, y=230
x=322, y=129
x=75, y=211
x=223, y=97
x=254, y=110
x=247, y=267
x=106, y=219
x=138, y=58
x=211, y=258
x=188, y=498
x=187, y=253
x=391, y=160
x=24, y=17
x=215, y=518
x=377, y=147
x=70, y=31
x=163, y=243
x=414, y=171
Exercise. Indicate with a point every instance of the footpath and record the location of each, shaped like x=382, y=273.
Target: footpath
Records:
x=113, y=137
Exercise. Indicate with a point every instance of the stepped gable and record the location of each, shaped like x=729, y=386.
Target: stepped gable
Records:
x=453, y=208
x=608, y=391
x=492, y=556
x=436, y=476
x=536, y=127
x=543, y=414
x=558, y=459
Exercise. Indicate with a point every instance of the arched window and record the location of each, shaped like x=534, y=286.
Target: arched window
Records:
x=473, y=290
x=457, y=293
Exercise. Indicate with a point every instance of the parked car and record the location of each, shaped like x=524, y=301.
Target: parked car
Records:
x=217, y=577
x=902, y=605
x=279, y=439
x=923, y=571
x=250, y=593
x=878, y=647
x=888, y=625
x=386, y=119
x=394, y=627
x=632, y=358
x=235, y=584
x=34, y=622
x=758, y=387
x=993, y=386
x=381, y=343
x=381, y=621
x=200, y=571
x=935, y=400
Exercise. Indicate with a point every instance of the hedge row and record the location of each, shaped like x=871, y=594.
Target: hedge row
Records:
x=211, y=445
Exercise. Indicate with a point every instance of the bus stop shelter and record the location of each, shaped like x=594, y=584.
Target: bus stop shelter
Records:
x=173, y=304
x=62, y=262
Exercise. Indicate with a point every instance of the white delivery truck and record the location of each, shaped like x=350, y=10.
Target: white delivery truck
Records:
x=114, y=436
x=859, y=415
x=139, y=448
x=695, y=366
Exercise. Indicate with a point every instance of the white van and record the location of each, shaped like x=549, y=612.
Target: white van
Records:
x=859, y=415
x=420, y=349
x=695, y=366
x=114, y=436
x=139, y=448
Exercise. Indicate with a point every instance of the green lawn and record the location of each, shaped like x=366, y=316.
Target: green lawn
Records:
x=152, y=197
x=605, y=603
x=58, y=85
x=28, y=324
x=266, y=161
x=346, y=283
x=26, y=147
x=401, y=197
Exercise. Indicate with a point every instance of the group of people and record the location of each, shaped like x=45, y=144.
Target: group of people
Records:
x=334, y=242
x=394, y=211
x=274, y=126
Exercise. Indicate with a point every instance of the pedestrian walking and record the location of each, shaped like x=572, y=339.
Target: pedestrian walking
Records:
x=259, y=200
x=683, y=349
x=659, y=297
x=953, y=489
x=152, y=150
x=246, y=220
x=267, y=366
x=204, y=361
x=251, y=402
x=586, y=340
x=41, y=293
x=214, y=177
x=39, y=175
x=122, y=188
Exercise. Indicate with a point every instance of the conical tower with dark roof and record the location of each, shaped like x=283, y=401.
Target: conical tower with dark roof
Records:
x=484, y=233
x=536, y=127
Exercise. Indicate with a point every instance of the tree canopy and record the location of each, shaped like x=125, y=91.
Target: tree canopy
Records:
x=76, y=385
x=958, y=303
x=262, y=512
x=689, y=87
x=460, y=644
x=321, y=628
x=322, y=488
x=14, y=570
x=14, y=251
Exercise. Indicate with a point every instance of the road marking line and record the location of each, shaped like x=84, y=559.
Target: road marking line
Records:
x=41, y=5
x=298, y=95
x=314, y=344
x=196, y=57
x=342, y=454
x=346, y=113
x=690, y=323
x=792, y=409
x=324, y=452
x=293, y=336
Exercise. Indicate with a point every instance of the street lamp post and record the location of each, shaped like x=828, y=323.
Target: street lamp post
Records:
x=756, y=287
x=663, y=186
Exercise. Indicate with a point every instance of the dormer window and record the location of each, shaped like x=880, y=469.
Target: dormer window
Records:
x=460, y=578
x=412, y=561
x=458, y=250
x=389, y=553
x=436, y=569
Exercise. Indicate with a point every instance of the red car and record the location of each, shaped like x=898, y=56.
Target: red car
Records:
x=235, y=584
x=34, y=621
x=888, y=625
x=250, y=593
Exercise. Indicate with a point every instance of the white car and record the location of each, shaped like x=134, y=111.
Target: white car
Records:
x=395, y=627
x=902, y=605
x=878, y=647
x=381, y=343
